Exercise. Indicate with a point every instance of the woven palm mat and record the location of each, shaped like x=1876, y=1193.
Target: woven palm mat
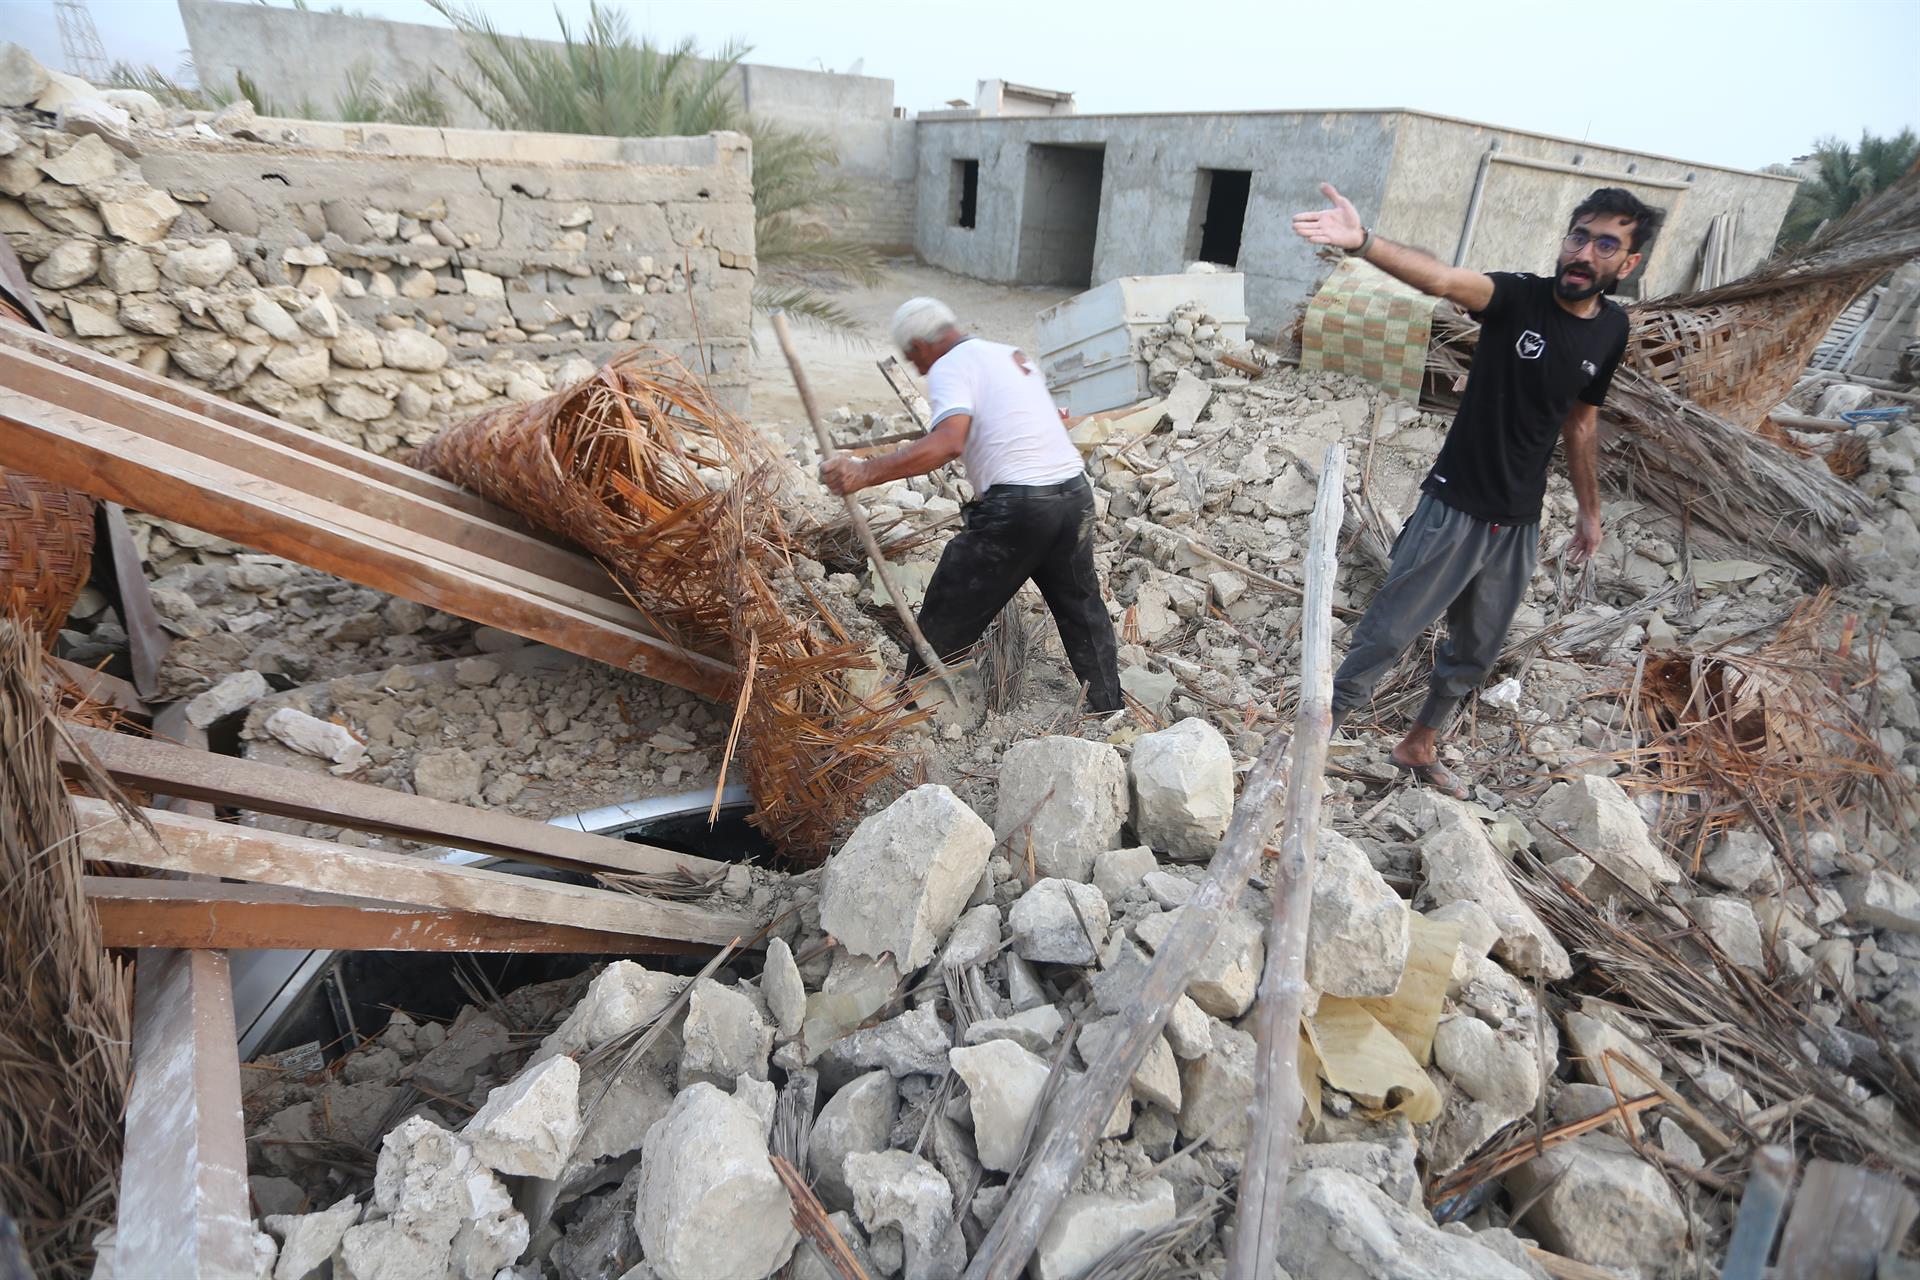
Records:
x=1365, y=323
x=46, y=539
x=683, y=503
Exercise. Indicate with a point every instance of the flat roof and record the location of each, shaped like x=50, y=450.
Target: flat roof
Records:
x=936, y=118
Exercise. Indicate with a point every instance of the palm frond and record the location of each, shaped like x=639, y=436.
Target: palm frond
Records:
x=804, y=304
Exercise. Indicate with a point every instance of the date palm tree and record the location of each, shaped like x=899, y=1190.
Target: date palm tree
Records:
x=1845, y=176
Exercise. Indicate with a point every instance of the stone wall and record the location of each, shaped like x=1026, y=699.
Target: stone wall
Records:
x=371, y=283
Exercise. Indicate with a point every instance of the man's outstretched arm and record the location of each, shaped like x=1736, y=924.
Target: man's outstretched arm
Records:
x=1340, y=227
x=845, y=473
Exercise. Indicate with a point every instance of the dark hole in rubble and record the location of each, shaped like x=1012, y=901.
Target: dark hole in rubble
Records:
x=288, y=999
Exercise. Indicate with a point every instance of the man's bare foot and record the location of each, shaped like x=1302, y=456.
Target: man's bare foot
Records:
x=1418, y=754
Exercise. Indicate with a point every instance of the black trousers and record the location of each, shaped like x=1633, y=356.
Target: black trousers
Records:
x=1011, y=534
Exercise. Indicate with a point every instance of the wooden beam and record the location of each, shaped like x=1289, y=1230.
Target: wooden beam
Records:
x=118, y=465
x=320, y=476
x=163, y=768
x=184, y=1207
x=270, y=857
x=101, y=687
x=168, y=391
x=143, y=912
x=147, y=640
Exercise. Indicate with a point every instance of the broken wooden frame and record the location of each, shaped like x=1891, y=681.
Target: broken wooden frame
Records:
x=175, y=453
x=1086, y=1105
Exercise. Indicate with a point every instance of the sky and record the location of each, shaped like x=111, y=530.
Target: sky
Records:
x=1744, y=83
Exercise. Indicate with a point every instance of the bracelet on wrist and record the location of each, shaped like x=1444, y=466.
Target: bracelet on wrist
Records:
x=1366, y=243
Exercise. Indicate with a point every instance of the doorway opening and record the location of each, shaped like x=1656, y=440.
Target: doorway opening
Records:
x=1219, y=215
x=1060, y=214
x=964, y=192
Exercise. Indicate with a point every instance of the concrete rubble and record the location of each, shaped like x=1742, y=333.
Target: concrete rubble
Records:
x=974, y=940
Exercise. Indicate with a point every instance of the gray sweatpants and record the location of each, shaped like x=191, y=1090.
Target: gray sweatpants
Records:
x=1443, y=561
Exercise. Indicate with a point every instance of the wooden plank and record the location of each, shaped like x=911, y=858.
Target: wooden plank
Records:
x=163, y=768
x=184, y=1207
x=81, y=359
x=139, y=912
x=147, y=640
x=322, y=477
x=112, y=463
x=1277, y=1097
x=1843, y=1218
x=270, y=857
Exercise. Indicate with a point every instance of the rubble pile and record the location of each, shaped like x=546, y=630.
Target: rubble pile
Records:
x=1191, y=339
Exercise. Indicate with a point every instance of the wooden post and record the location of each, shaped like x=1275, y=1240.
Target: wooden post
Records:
x=1283, y=987
x=859, y=519
x=1087, y=1104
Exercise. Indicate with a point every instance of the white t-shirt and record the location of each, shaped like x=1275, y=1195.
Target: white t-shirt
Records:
x=1017, y=436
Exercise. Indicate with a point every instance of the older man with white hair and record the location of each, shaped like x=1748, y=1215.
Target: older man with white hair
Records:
x=1032, y=516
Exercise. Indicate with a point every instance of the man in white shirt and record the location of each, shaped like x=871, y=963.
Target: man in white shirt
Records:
x=1032, y=516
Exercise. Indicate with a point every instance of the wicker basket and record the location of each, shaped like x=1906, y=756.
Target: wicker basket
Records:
x=46, y=540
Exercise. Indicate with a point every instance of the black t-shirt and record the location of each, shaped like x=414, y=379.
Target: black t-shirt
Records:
x=1533, y=358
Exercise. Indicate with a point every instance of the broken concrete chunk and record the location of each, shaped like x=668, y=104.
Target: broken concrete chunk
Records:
x=858, y=1117
x=1881, y=901
x=899, y=1189
x=1059, y=922
x=1032, y=1029
x=452, y=1066
x=1600, y=1203
x=725, y=1036
x=1068, y=796
x=446, y=1213
x=1602, y=824
x=1742, y=861
x=1183, y=789
x=975, y=938
x=1491, y=1068
x=1187, y=1031
x=1227, y=977
x=1460, y=865
x=1217, y=1089
x=1118, y=870
x=903, y=877
x=1155, y=1080
x=1004, y=1083
x=709, y=1205
x=1593, y=1032
x=785, y=993
x=309, y=1239
x=234, y=692
x=1336, y=1226
x=1357, y=934
x=1088, y=1226
x=529, y=1125
x=1734, y=929
x=623, y=996
x=915, y=1043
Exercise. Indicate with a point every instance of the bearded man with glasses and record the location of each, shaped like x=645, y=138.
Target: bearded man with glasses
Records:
x=1546, y=355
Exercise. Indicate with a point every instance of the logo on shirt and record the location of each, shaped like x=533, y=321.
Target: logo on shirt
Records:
x=1531, y=346
x=1586, y=367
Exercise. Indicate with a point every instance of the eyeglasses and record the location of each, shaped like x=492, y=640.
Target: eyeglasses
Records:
x=1604, y=247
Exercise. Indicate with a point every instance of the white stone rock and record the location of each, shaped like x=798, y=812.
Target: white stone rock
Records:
x=858, y=1117
x=305, y=365
x=1068, y=796
x=1335, y=1225
x=785, y=993
x=138, y=104
x=362, y=404
x=481, y=284
x=1217, y=1090
x=915, y=1043
x=1155, y=1080
x=1227, y=977
x=710, y=1206
x=1358, y=932
x=88, y=160
x=975, y=938
x=1188, y=1032
x=624, y=996
x=1733, y=928
x=1490, y=1067
x=452, y=775
x=1742, y=861
x=1089, y=1225
x=412, y=350
x=1603, y=825
x=1167, y=889
x=199, y=263
x=1059, y=922
x=1032, y=1029
x=903, y=877
x=1118, y=870
x=141, y=217
x=1183, y=789
x=724, y=1036
x=22, y=78
x=1004, y=1083
x=356, y=348
x=1591, y=1034
x=899, y=1189
x=70, y=263
x=94, y=117
x=1600, y=1203
x=93, y=322
x=445, y=1213
x=309, y=1239
x=529, y=1125
x=235, y=691
x=312, y=736
x=1460, y=865
x=1881, y=901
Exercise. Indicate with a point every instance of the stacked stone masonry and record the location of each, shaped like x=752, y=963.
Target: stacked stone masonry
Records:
x=373, y=283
